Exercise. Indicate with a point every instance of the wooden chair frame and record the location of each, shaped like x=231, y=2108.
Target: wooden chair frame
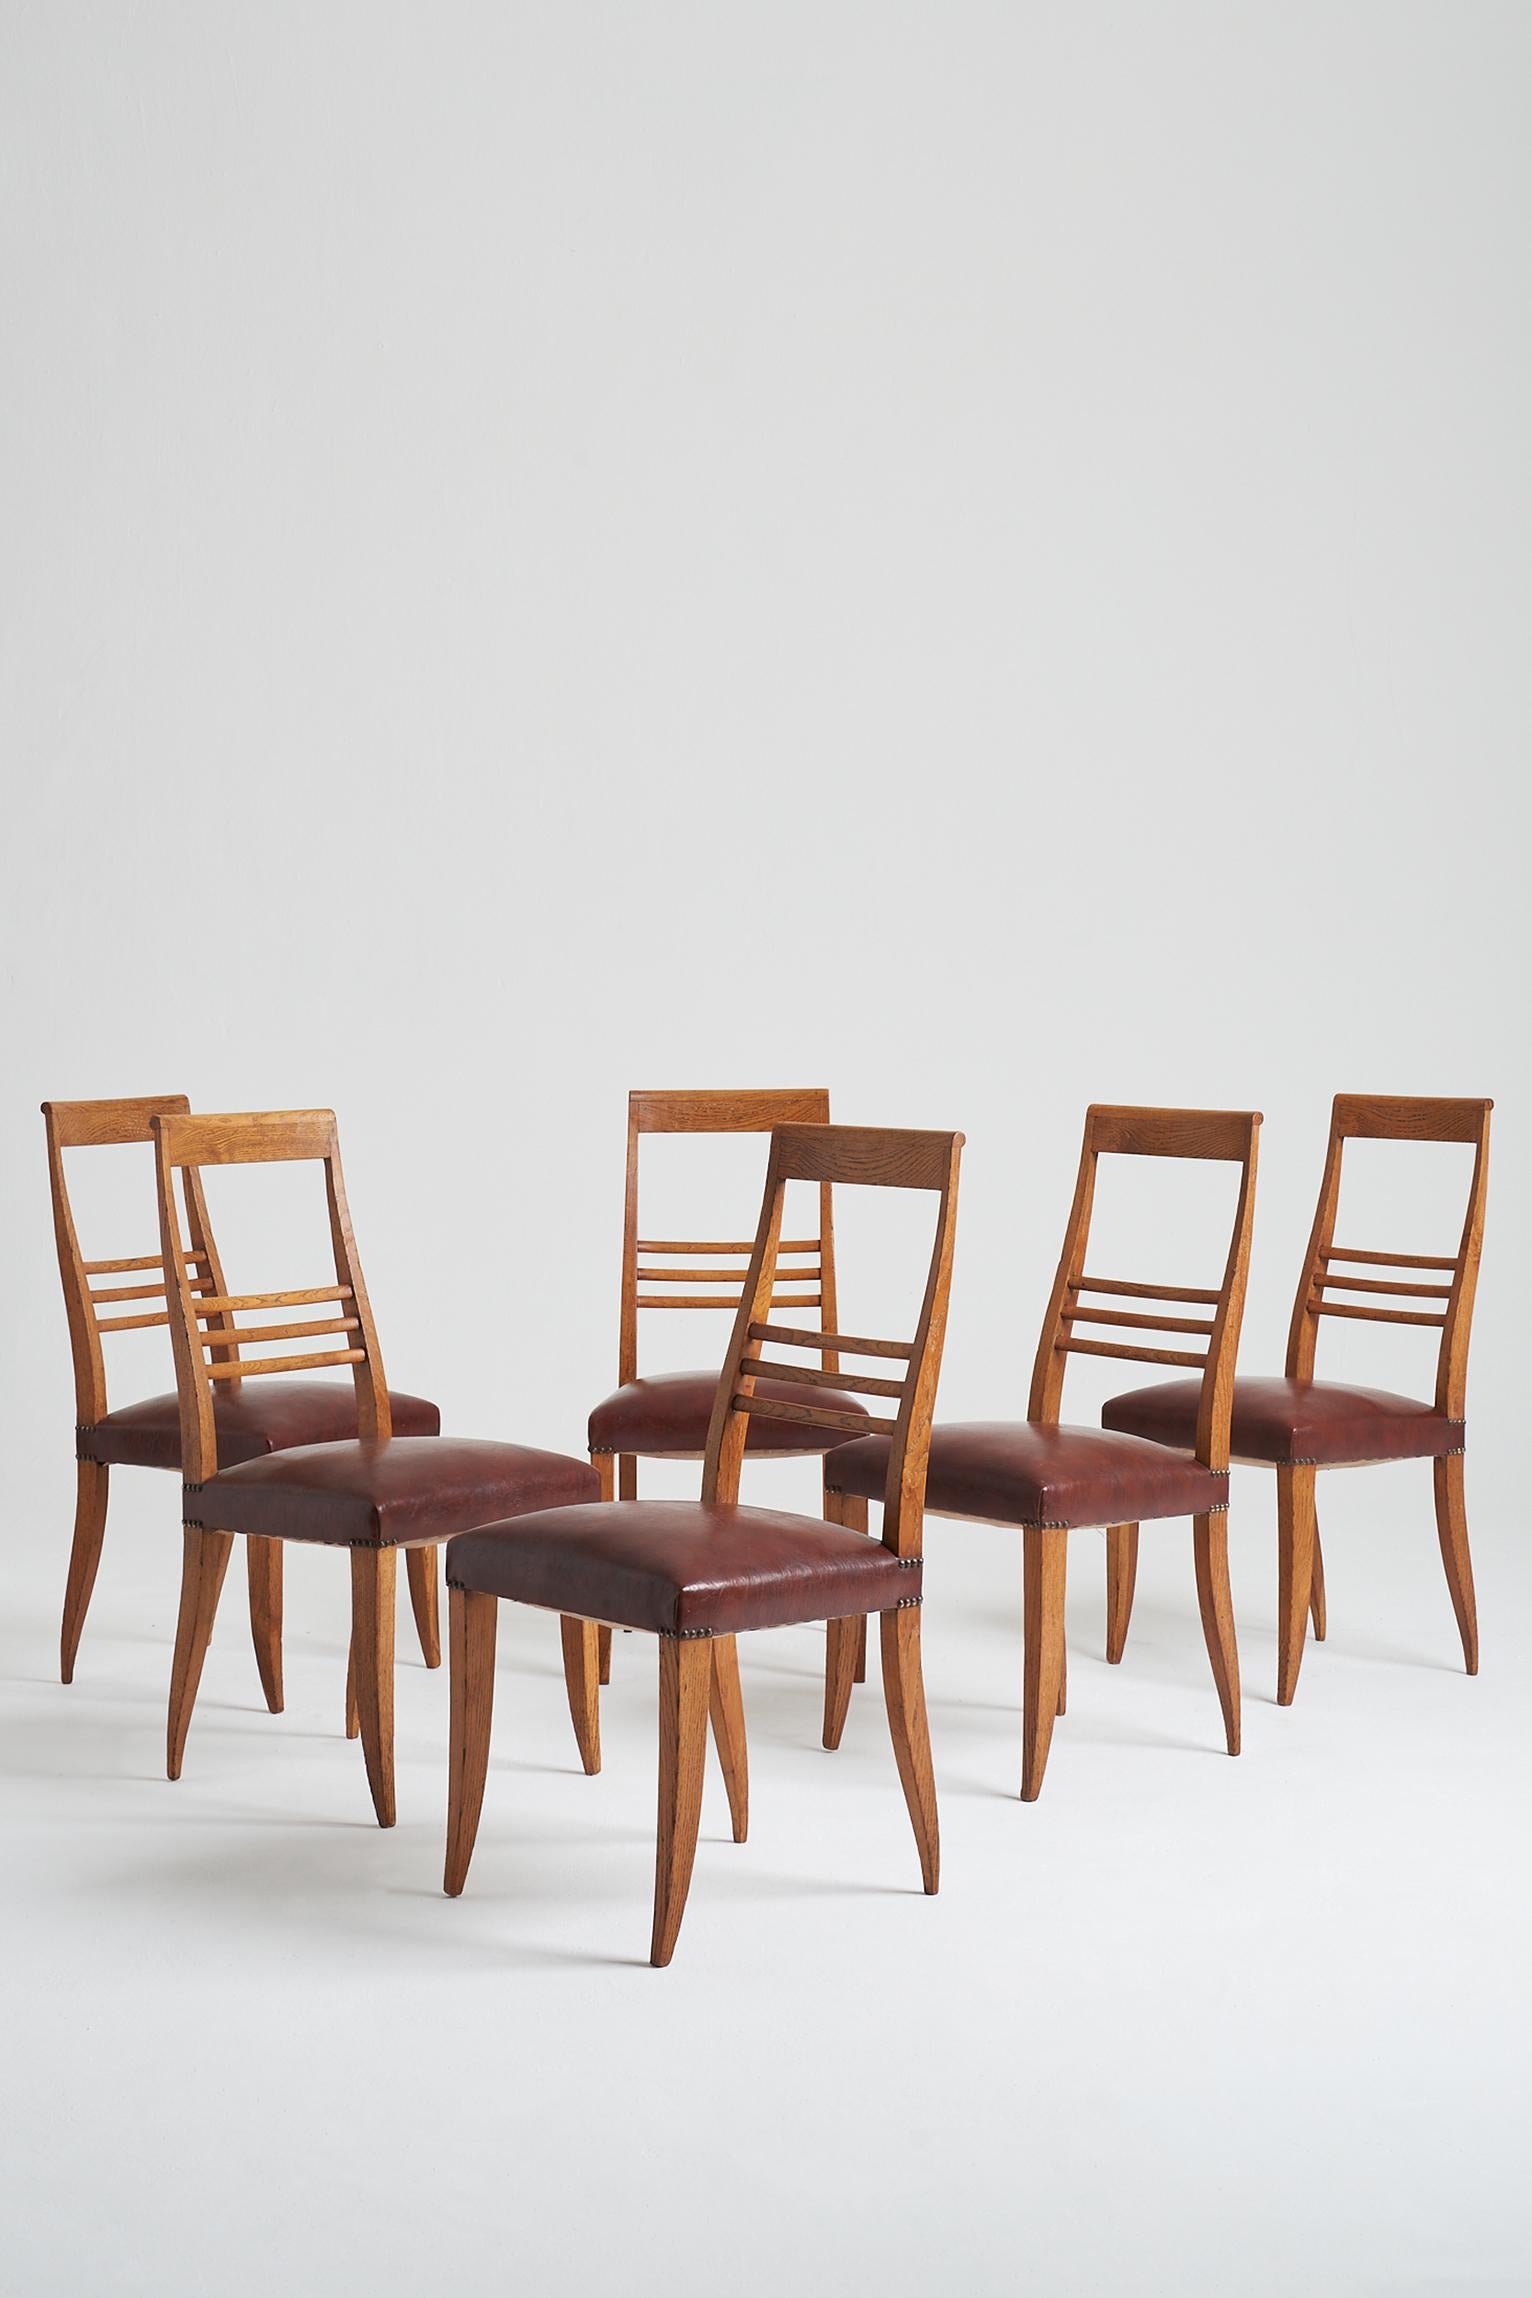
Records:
x=647, y=1284
x=1226, y=1136
x=1223, y=1136
x=94, y=1125
x=1392, y=1298
x=699, y=1674
x=187, y=1145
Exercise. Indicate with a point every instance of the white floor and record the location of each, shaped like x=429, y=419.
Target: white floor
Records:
x=1185, y=2026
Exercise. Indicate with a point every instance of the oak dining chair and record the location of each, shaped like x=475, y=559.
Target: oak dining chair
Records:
x=1049, y=1478
x=1299, y=1425
x=665, y=1416
x=147, y=1434
x=373, y=1493
x=696, y=1574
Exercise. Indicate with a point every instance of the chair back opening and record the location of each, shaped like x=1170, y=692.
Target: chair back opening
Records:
x=135, y=1296
x=211, y=1347
x=1441, y=1297
x=1090, y=1315
x=710, y=1273
x=854, y=1156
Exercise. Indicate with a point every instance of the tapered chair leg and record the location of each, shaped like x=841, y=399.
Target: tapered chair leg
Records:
x=1121, y=1574
x=425, y=1601
x=904, y=1696
x=374, y=1587
x=850, y=1510
x=840, y=1674
x=205, y=1559
x=1295, y=1574
x=472, y=1618
x=627, y=1489
x=1043, y=1556
x=1317, y=1591
x=606, y=1468
x=686, y=1676
x=845, y=1640
x=91, y=1480
x=353, y=1719
x=726, y=1706
x=1452, y=1533
x=263, y=1569
x=582, y=1676
x=1210, y=1547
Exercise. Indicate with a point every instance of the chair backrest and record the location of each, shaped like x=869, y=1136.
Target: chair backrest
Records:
x=1443, y=1296
x=1226, y=1136
x=97, y=1125
x=206, y=1358
x=864, y=1157
x=808, y=1282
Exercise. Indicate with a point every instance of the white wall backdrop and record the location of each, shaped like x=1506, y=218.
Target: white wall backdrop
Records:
x=974, y=554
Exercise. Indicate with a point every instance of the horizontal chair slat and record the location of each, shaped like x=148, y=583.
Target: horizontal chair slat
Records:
x=126, y=1268
x=1139, y=1319
x=1137, y=1355
x=698, y=1276
x=129, y=1292
x=815, y=1416
x=1418, y=1292
x=248, y=1365
x=1378, y=1316
x=732, y=1245
x=1393, y=1260
x=131, y=1324
x=725, y=1301
x=311, y=1331
x=218, y=1302
x=847, y=1344
x=809, y=1376
x=1114, y=1285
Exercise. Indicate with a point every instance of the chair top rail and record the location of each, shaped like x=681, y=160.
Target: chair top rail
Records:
x=103, y=1124
x=1404, y=1117
x=747, y=1110
x=248, y=1137
x=864, y=1156
x=1219, y=1134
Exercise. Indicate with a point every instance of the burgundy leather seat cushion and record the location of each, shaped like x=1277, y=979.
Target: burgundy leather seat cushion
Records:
x=252, y=1417
x=1020, y=1472
x=375, y=1492
x=683, y=1567
x=1287, y=1422
x=669, y=1412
